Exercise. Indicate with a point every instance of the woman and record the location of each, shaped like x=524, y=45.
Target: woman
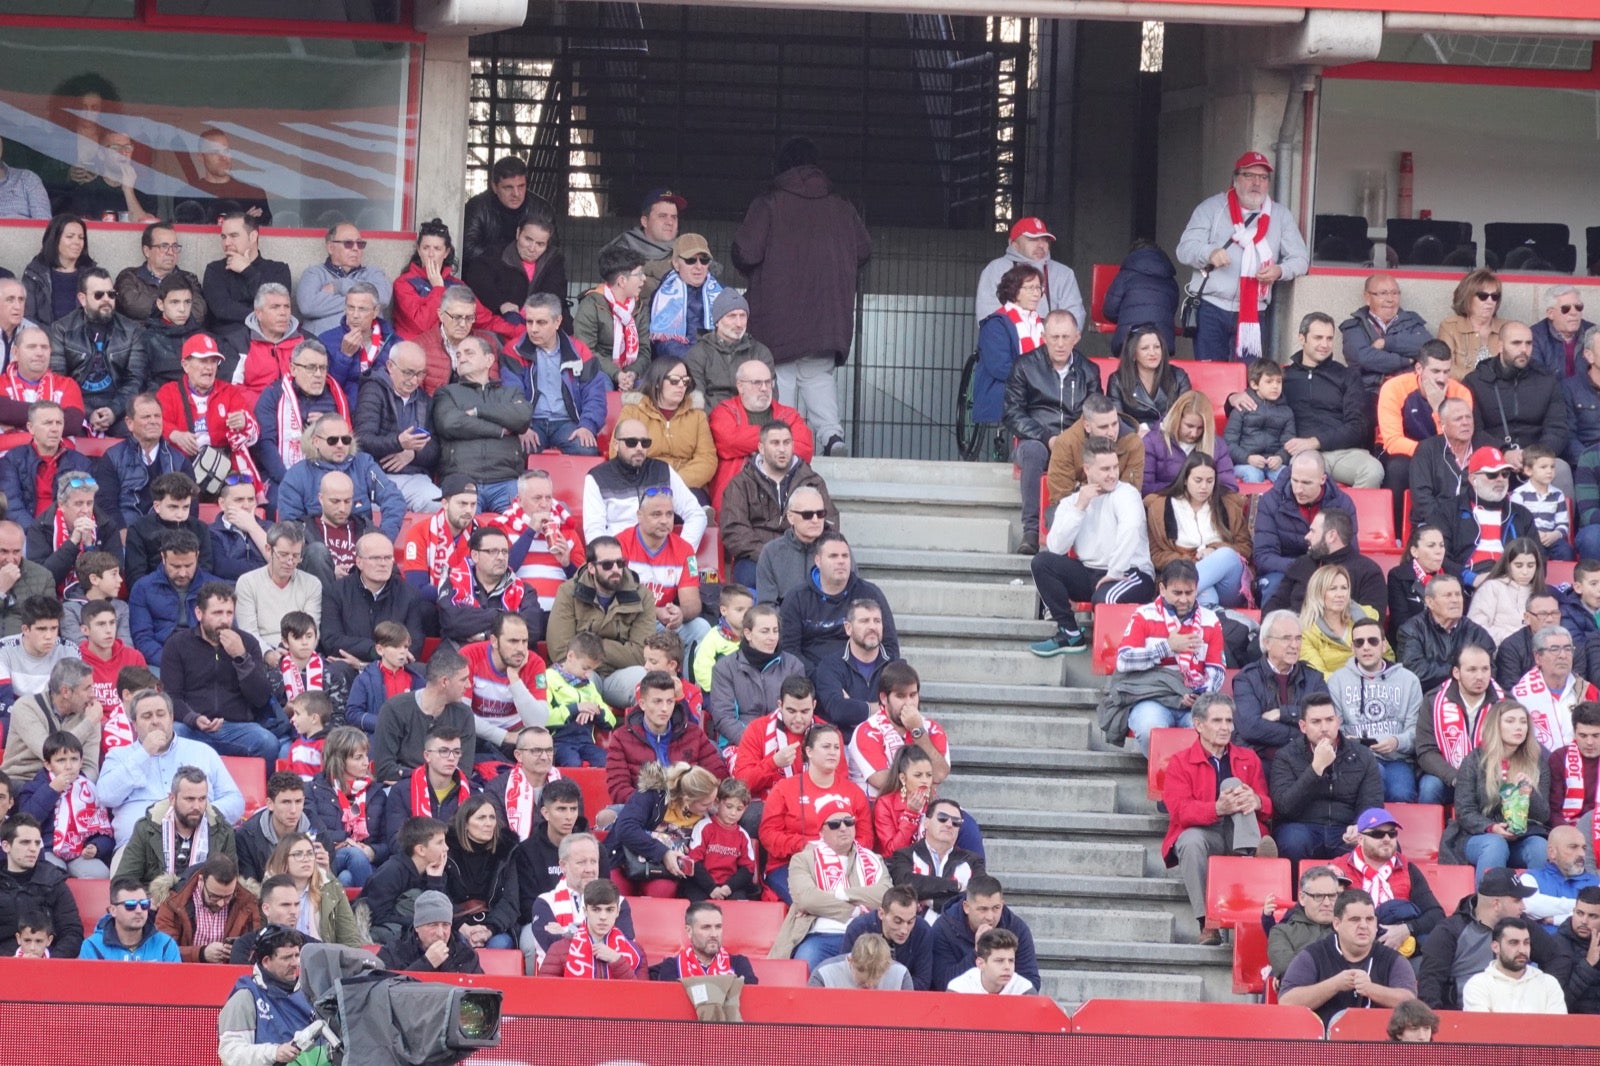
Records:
x=419, y=291
x=1193, y=519
x=1146, y=384
x=324, y=909
x=897, y=812
x=1507, y=767
x=531, y=263
x=1500, y=599
x=1473, y=332
x=1190, y=426
x=346, y=808
x=787, y=821
x=1326, y=618
x=614, y=319
x=51, y=277
x=1013, y=331
x=1423, y=561
x=675, y=419
x=479, y=877
x=655, y=826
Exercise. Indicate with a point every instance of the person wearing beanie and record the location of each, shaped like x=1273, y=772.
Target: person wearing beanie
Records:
x=432, y=944
x=714, y=359
x=681, y=309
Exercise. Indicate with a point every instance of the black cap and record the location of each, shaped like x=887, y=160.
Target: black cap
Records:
x=456, y=484
x=1501, y=882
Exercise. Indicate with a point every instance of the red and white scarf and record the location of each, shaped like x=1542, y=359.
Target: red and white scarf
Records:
x=293, y=685
x=1533, y=692
x=422, y=792
x=565, y=906
x=1375, y=879
x=1423, y=577
x=14, y=387
x=79, y=816
x=1029, y=327
x=61, y=531
x=580, y=952
x=880, y=723
x=1572, y=797
x=446, y=548
x=1490, y=544
x=514, y=520
x=369, y=352
x=116, y=731
x=463, y=583
x=689, y=964
x=773, y=738
x=353, y=808
x=519, y=800
x=291, y=424
x=1254, y=254
x=833, y=869
x=1450, y=722
x=625, y=332
x=239, y=443
x=199, y=848
x=1191, y=664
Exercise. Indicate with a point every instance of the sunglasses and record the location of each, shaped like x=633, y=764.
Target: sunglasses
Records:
x=1567, y=309
x=238, y=479
x=1496, y=475
x=350, y=244
x=1382, y=834
x=677, y=379
x=101, y=294
x=635, y=442
x=949, y=819
x=131, y=905
x=1492, y=297
x=840, y=823
x=1366, y=642
x=809, y=515
x=656, y=490
x=341, y=439
x=609, y=564
x=79, y=483
x=703, y=260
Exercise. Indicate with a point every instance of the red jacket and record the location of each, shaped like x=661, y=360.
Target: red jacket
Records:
x=629, y=749
x=894, y=824
x=789, y=823
x=177, y=412
x=753, y=766
x=416, y=306
x=1190, y=792
x=737, y=439
x=265, y=362
x=106, y=670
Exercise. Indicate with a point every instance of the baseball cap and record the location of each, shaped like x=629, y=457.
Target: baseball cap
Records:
x=833, y=805
x=1501, y=883
x=1373, y=817
x=689, y=244
x=1252, y=159
x=1485, y=459
x=662, y=195
x=1032, y=226
x=456, y=484
x=201, y=346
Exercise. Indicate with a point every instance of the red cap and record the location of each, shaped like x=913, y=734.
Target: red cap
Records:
x=1031, y=227
x=1485, y=459
x=832, y=805
x=1252, y=159
x=201, y=346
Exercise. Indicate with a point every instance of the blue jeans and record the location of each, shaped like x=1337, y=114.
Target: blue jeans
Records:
x=1562, y=549
x=1148, y=714
x=691, y=632
x=1399, y=781
x=1033, y=457
x=1247, y=473
x=1431, y=789
x=352, y=867
x=818, y=948
x=238, y=738
x=744, y=573
x=1588, y=540
x=575, y=753
x=558, y=434
x=778, y=880
x=1306, y=840
x=1266, y=584
x=501, y=940
x=1214, y=333
x=1220, y=576
x=495, y=496
x=1486, y=851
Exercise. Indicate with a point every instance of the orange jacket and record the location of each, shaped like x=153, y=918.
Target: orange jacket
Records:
x=1391, y=408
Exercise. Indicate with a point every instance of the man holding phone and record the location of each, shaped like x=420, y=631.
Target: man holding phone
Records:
x=207, y=913
x=394, y=422
x=561, y=378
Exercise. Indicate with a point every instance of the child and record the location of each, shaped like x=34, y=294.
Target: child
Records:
x=117, y=729
x=35, y=934
x=76, y=829
x=733, y=602
x=396, y=672
x=171, y=508
x=597, y=949
x=1548, y=504
x=663, y=650
x=103, y=651
x=300, y=669
x=1256, y=438
x=1502, y=596
x=99, y=577
x=309, y=714
x=723, y=853
x=576, y=704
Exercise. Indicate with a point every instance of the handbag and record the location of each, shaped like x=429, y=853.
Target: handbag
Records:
x=636, y=867
x=1189, y=311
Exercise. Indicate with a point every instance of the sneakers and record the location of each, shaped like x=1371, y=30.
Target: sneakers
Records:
x=1029, y=545
x=836, y=446
x=1063, y=643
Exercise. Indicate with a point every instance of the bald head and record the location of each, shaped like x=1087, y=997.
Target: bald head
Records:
x=337, y=495
x=632, y=442
x=755, y=383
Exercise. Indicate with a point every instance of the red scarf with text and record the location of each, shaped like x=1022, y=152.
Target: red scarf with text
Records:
x=580, y=952
x=1572, y=796
x=116, y=731
x=1450, y=723
x=519, y=800
x=353, y=808
x=1534, y=694
x=625, y=332
x=292, y=683
x=514, y=520
x=1254, y=253
x=833, y=869
x=79, y=816
x=689, y=964
x=422, y=792
x=463, y=579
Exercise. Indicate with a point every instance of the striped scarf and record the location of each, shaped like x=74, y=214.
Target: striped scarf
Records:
x=833, y=869
x=293, y=683
x=79, y=816
x=669, y=311
x=1450, y=722
x=689, y=964
x=464, y=581
x=353, y=808
x=519, y=800
x=199, y=850
x=580, y=952
x=1029, y=327
x=291, y=424
x=1571, y=798
x=625, y=332
x=1254, y=254
x=422, y=792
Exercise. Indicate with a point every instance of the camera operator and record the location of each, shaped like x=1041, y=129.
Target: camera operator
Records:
x=257, y=1025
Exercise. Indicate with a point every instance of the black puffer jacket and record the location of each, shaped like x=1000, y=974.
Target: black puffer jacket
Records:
x=45, y=888
x=1040, y=402
x=1424, y=648
x=163, y=343
x=1144, y=293
x=1350, y=785
x=1329, y=403
x=1519, y=407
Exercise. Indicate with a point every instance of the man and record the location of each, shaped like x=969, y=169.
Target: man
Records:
x=1520, y=403
x=206, y=913
x=1558, y=337
x=1460, y=948
x=558, y=912
x=703, y=955
x=1308, y=921
x=811, y=618
x=406, y=720
x=67, y=702
x=29, y=380
x=934, y=867
x=321, y=292
x=785, y=562
x=332, y=533
x=185, y=832
x=1508, y=985
x=546, y=548
x=135, y=776
x=483, y=586
x=1045, y=396
x=371, y=594
x=756, y=503
x=1380, y=702
x=358, y=341
x=431, y=945
x=508, y=690
x=427, y=550
x=1407, y=907
x=479, y=422
x=657, y=730
x=238, y=540
x=715, y=359
x=415, y=865
x=289, y=411
x=802, y=246
x=551, y=811
x=1030, y=241
x=329, y=447
x=129, y=466
x=869, y=966
x=1240, y=244
x=769, y=748
x=266, y=594
x=1411, y=413
x=1551, y=691
x=491, y=218
x=898, y=921
x=847, y=684
x=1581, y=391
x=967, y=917
x=1320, y=783
x=13, y=314
x=1267, y=693
x=561, y=379
x=1169, y=656
x=681, y=310
x=612, y=491
x=1350, y=968
x=441, y=348
x=267, y=1007
x=665, y=564
x=284, y=813
x=27, y=664
x=1487, y=520
x=68, y=528
x=221, y=191
x=995, y=974
x=218, y=672
x=1283, y=517
x=232, y=282
x=163, y=601
x=895, y=722
x=658, y=227
x=736, y=423
x=103, y=351
x=1571, y=773
x=1451, y=722
x=1514, y=657
x=1380, y=340
x=22, y=194
x=1580, y=936
x=1100, y=421
x=1429, y=643
x=21, y=579
x=27, y=885
x=137, y=287
x=30, y=474
x=126, y=933
x=1559, y=881
x=198, y=411
x=831, y=879
x=436, y=789
x=1332, y=410
x=394, y=423
x=1330, y=541
x=1439, y=474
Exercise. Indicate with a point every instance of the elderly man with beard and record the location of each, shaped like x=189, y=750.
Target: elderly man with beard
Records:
x=1487, y=520
x=330, y=447
x=103, y=351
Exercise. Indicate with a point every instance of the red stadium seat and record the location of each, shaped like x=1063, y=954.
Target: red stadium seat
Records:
x=250, y=775
x=657, y=925
x=429, y=646
x=1099, y=282
x=708, y=557
x=591, y=781
x=1110, y=622
x=93, y=447
x=1450, y=884
x=1164, y=744
x=92, y=898
x=613, y=409
x=1374, y=519
x=1405, y=518
x=507, y=962
x=1108, y=366
x=1421, y=829
x=412, y=518
x=1559, y=572
x=1250, y=967
x=1237, y=886
x=1385, y=561
x=1141, y=1018
x=780, y=973
x=1254, y=488
x=1252, y=613
x=1218, y=381
x=750, y=927
x=567, y=473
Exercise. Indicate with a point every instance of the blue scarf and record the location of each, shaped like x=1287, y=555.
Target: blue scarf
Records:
x=670, y=308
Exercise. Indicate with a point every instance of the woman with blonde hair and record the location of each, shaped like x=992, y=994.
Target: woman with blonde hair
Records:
x=324, y=909
x=1502, y=799
x=1189, y=427
x=1473, y=332
x=650, y=840
x=1326, y=620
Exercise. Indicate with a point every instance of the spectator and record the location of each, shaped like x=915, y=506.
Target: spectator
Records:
x=1548, y=506
x=13, y=308
x=493, y=218
x=1551, y=691
x=1330, y=541
x=175, y=319
x=394, y=423
x=1240, y=244
x=481, y=883
x=393, y=672
x=896, y=722
x=164, y=600
x=1501, y=598
x=1045, y=396
x=175, y=836
x=733, y=602
x=52, y=277
x=1571, y=772
x=1380, y=702
x=22, y=194
x=1216, y=796
x=27, y=665
x=284, y=813
x=1561, y=878
x=30, y=476
x=1172, y=650
x=216, y=669
x=269, y=592
x=1145, y=384
x=28, y=885
x=1577, y=936
x=802, y=246
x=215, y=176
x=613, y=491
x=66, y=702
x=606, y=598
x=1143, y=293
x=28, y=380
x=130, y=467
x=1099, y=420
x=126, y=933
x=657, y=729
x=1439, y=473
x=347, y=808
x=26, y=578
x=172, y=500
x=869, y=965
x=613, y=320
x=1380, y=340
x=785, y=563
x=546, y=547
x=200, y=412
x=139, y=289
x=714, y=360
x=1581, y=391
x=508, y=686
x=1506, y=768
x=1580, y=603
x=367, y=494
x=478, y=422
x=355, y=605
x=753, y=679
x=829, y=879
x=1411, y=413
x=83, y=844
x=812, y=615
x=290, y=413
x=736, y=424
x=1521, y=404
x=268, y=1003
x=1319, y=784
x=481, y=587
x=965, y=919
x=526, y=265
x=1013, y=330
x=68, y=529
x=232, y=293
x=420, y=290
x=786, y=813
x=1188, y=427
x=1309, y=920
x=325, y=911
x=1284, y=514
x=358, y=341
x=562, y=910
x=1487, y=518
x=1429, y=643
x=441, y=347
x=206, y=913
x=103, y=351
x=1407, y=582
x=562, y=381
x=1029, y=246
x=598, y=939
x=1332, y=412
x=652, y=836
x=652, y=238
x=1452, y=724
x=1349, y=968
x=935, y=866
x=1558, y=337
x=703, y=954
x=758, y=500
x=1195, y=518
x=995, y=974
x=134, y=776
x=848, y=683
x=1460, y=948
x=898, y=922
x=1508, y=984
x=320, y=293
x=682, y=306
x=1257, y=435
x=431, y=945
x=1268, y=693
x=416, y=866
x=405, y=721
x=1407, y=908
x=435, y=789
x=560, y=803
x=665, y=564
x=665, y=401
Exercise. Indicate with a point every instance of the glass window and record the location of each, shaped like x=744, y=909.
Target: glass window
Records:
x=1481, y=50
x=301, y=129
x=382, y=11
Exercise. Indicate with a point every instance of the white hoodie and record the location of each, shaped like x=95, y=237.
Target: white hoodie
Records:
x=1497, y=992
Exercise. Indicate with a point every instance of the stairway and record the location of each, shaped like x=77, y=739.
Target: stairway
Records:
x=1068, y=828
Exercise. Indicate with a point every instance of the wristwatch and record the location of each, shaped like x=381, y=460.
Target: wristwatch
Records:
x=918, y=733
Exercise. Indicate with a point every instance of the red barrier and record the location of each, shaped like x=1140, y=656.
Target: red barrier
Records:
x=1458, y=1027
x=1117, y=1017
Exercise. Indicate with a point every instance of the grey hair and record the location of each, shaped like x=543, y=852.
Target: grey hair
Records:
x=1589, y=336
x=1062, y=312
x=458, y=294
x=1451, y=403
x=150, y=694
x=1271, y=620
x=270, y=288
x=1203, y=704
x=1541, y=639
x=543, y=301
x=534, y=475
x=293, y=532
x=310, y=344
x=1317, y=873
x=69, y=673
x=1553, y=295
x=192, y=775
x=364, y=288
x=570, y=841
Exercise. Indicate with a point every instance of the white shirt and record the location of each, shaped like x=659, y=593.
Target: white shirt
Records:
x=971, y=983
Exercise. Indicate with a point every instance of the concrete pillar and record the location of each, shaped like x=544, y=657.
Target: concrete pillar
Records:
x=442, y=130
x=1104, y=143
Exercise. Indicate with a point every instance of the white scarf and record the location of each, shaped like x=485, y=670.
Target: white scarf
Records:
x=199, y=849
x=1374, y=879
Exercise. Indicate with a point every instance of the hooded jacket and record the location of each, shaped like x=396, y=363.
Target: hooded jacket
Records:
x=374, y=493
x=174, y=914
x=256, y=837
x=623, y=625
x=812, y=621
x=499, y=278
x=583, y=386
x=593, y=324
x=954, y=941
x=380, y=416
x=1281, y=526
x=632, y=746
x=1144, y=293
x=1039, y=402
x=45, y=888
x=1436, y=983
x=683, y=441
x=1519, y=407
x=264, y=363
x=126, y=359
x=1346, y=788
x=714, y=364
x=485, y=446
x=1376, y=706
x=755, y=507
x=742, y=691
x=1329, y=403
x=153, y=946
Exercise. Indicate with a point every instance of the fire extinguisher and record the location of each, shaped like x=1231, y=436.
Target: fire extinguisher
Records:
x=1404, y=206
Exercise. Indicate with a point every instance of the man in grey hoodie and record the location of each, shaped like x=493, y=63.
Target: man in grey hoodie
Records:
x=1379, y=702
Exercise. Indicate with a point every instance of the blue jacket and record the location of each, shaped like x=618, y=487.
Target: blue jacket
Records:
x=155, y=610
x=583, y=385
x=366, y=696
x=812, y=622
x=1401, y=345
x=1551, y=882
x=1550, y=352
x=1280, y=536
x=124, y=480
x=19, y=474
x=845, y=697
x=954, y=943
x=155, y=946
x=1255, y=689
x=327, y=817
x=265, y=450
x=1144, y=293
x=916, y=954
x=346, y=369
x=233, y=554
x=1583, y=416
x=297, y=495
x=998, y=350
x=279, y=1013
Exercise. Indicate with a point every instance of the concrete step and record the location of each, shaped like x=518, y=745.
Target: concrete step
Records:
x=966, y=530
x=987, y=564
x=983, y=791
x=943, y=631
x=1148, y=829
x=1012, y=697
x=1090, y=858
x=964, y=599
x=975, y=664
x=1076, y=986
x=1103, y=951
x=1026, y=768
x=968, y=729
x=914, y=472
x=1077, y=924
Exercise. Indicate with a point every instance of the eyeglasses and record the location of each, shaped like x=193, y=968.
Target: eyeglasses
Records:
x=635, y=442
x=350, y=244
x=538, y=751
x=702, y=260
x=840, y=823
x=809, y=515
x=343, y=438
x=459, y=320
x=949, y=819
x=167, y=247
x=609, y=564
x=131, y=905
x=1320, y=897
x=761, y=383
x=302, y=856
x=400, y=371
x=677, y=379
x=1382, y=834
x=1490, y=297
x=311, y=368
x=1366, y=642
x=445, y=753
x=494, y=551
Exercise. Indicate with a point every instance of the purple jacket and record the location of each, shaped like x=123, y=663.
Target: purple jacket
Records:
x=1162, y=462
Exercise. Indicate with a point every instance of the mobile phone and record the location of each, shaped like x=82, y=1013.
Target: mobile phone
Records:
x=1368, y=741
x=419, y=431
x=686, y=864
